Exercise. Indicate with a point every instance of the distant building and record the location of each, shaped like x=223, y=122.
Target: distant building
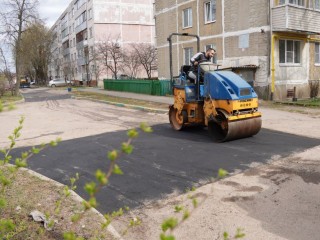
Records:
x=273, y=44
x=85, y=23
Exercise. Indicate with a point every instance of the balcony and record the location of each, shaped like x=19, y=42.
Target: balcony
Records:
x=82, y=44
x=81, y=61
x=81, y=27
x=66, y=51
x=293, y=18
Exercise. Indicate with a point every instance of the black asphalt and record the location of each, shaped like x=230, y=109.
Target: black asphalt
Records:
x=163, y=161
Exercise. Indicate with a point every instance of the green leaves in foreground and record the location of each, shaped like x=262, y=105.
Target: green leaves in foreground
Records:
x=222, y=173
x=170, y=223
x=239, y=234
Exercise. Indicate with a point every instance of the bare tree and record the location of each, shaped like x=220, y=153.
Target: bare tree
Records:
x=6, y=72
x=147, y=55
x=15, y=16
x=94, y=70
x=131, y=63
x=35, y=52
x=111, y=56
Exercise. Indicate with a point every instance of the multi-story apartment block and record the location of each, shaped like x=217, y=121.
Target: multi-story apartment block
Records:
x=272, y=44
x=87, y=22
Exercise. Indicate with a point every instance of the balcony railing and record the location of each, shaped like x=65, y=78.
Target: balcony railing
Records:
x=81, y=61
x=81, y=27
x=66, y=51
x=82, y=44
x=295, y=18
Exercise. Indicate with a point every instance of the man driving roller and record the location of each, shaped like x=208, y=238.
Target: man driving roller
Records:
x=198, y=58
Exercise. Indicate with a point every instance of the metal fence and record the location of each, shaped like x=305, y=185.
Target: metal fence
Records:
x=151, y=87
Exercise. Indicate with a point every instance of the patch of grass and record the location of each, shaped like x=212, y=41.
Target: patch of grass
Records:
x=315, y=102
x=27, y=193
x=103, y=97
x=306, y=106
x=8, y=98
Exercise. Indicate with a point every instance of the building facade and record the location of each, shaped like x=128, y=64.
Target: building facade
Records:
x=272, y=44
x=87, y=22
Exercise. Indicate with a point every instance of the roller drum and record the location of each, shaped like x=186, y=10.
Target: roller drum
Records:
x=225, y=130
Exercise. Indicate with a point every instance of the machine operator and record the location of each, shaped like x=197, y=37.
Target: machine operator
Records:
x=198, y=58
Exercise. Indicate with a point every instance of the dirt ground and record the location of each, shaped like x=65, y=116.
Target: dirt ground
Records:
x=278, y=200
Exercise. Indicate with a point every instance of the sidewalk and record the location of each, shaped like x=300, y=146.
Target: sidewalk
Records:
x=145, y=97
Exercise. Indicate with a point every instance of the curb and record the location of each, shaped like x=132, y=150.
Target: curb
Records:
x=136, y=107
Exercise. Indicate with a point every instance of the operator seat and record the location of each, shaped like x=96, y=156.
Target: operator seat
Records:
x=185, y=69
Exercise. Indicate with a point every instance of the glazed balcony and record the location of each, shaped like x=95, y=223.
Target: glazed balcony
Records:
x=289, y=17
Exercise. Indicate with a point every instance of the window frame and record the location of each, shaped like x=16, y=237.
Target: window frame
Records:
x=297, y=3
x=190, y=20
x=186, y=60
x=317, y=54
x=214, y=59
x=300, y=3
x=287, y=52
x=315, y=5
x=213, y=14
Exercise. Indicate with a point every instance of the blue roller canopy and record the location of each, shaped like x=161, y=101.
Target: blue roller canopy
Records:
x=227, y=85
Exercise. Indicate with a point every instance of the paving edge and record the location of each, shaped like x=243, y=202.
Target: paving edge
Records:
x=76, y=197
x=136, y=107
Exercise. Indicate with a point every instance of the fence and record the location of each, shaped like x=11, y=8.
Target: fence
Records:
x=151, y=87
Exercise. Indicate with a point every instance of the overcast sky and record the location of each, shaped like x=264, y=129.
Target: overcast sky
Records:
x=50, y=10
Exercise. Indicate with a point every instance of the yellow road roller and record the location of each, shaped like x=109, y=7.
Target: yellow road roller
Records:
x=219, y=99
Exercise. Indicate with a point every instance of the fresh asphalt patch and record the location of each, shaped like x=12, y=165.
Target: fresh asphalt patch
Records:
x=162, y=162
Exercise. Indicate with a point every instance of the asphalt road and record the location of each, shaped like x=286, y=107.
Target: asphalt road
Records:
x=163, y=162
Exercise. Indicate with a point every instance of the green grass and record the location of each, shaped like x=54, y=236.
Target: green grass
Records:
x=309, y=102
x=8, y=98
x=312, y=102
x=103, y=97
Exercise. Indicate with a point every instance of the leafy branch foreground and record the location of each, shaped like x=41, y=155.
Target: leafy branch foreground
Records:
x=65, y=218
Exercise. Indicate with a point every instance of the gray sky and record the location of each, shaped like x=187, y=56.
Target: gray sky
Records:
x=50, y=10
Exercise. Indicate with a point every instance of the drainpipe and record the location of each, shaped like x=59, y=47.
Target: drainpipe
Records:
x=272, y=67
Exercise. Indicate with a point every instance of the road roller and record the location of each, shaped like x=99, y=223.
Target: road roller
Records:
x=219, y=99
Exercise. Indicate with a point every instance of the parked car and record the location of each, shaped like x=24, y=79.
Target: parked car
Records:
x=24, y=83
x=59, y=82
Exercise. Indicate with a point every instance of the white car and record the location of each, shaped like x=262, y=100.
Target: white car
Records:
x=59, y=82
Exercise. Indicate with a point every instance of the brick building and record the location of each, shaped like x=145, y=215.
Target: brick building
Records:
x=271, y=43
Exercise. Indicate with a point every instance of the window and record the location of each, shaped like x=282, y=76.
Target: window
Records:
x=297, y=2
x=315, y=4
x=64, y=33
x=90, y=32
x=90, y=13
x=82, y=18
x=210, y=11
x=79, y=3
x=317, y=53
x=187, y=18
x=294, y=2
x=188, y=53
x=289, y=51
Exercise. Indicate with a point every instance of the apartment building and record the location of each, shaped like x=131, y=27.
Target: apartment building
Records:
x=273, y=44
x=87, y=22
